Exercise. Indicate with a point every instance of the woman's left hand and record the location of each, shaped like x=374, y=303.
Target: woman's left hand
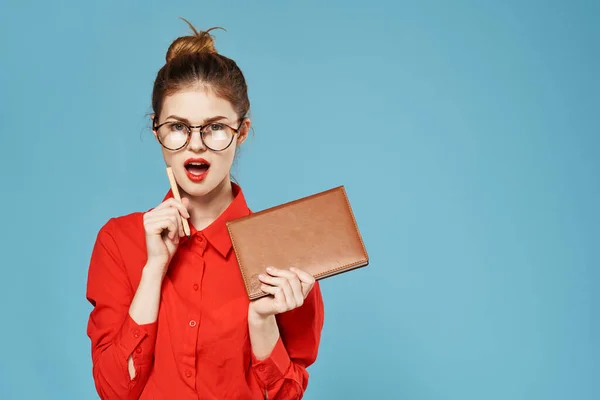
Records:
x=287, y=290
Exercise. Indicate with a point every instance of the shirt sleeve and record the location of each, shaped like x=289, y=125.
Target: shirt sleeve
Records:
x=283, y=373
x=114, y=335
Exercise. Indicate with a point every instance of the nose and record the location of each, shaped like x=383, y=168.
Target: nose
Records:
x=196, y=143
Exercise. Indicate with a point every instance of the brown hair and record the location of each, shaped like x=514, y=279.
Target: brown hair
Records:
x=193, y=61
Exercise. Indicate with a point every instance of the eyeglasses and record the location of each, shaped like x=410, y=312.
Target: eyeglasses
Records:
x=175, y=135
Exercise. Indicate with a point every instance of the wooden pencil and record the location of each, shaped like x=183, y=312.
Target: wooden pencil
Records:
x=175, y=190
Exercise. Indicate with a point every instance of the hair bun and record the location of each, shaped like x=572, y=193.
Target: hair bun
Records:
x=199, y=42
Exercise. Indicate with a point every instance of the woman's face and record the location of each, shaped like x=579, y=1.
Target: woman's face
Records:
x=198, y=169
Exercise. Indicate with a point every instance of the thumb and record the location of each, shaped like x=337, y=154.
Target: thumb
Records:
x=172, y=244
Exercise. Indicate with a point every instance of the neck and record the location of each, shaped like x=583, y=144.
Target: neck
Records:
x=206, y=209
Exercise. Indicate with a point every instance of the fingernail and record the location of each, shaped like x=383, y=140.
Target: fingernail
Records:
x=261, y=276
x=269, y=269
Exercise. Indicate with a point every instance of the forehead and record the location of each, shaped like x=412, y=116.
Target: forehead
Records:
x=196, y=105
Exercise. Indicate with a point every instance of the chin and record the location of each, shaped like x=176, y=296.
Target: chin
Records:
x=203, y=188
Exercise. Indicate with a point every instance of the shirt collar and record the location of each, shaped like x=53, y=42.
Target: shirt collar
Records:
x=216, y=233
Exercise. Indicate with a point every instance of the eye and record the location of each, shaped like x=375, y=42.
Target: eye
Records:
x=216, y=127
x=177, y=127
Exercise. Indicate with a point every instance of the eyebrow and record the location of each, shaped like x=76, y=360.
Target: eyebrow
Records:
x=187, y=121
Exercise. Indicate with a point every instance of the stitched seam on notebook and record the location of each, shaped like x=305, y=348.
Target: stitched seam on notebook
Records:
x=246, y=282
x=339, y=268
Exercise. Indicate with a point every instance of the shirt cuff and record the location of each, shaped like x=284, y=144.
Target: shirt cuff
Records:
x=137, y=340
x=274, y=367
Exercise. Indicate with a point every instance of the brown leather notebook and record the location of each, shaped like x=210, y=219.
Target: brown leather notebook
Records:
x=317, y=234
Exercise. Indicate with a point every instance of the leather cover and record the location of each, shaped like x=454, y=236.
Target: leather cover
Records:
x=317, y=234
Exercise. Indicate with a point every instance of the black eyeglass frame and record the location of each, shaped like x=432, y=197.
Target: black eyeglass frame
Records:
x=201, y=128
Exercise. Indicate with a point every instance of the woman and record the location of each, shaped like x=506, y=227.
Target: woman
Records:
x=171, y=318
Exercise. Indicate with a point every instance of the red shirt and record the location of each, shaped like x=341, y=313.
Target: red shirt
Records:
x=199, y=348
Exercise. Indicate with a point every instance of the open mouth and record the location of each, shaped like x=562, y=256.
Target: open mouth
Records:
x=196, y=167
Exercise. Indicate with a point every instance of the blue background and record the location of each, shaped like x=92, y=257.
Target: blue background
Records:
x=466, y=134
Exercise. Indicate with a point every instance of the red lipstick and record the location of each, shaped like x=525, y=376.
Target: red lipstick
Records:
x=196, y=169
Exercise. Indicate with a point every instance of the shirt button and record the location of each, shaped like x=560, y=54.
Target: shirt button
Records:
x=192, y=323
x=136, y=333
x=196, y=287
x=138, y=350
x=199, y=238
x=188, y=374
x=261, y=368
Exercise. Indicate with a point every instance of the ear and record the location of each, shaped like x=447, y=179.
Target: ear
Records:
x=244, y=130
x=152, y=127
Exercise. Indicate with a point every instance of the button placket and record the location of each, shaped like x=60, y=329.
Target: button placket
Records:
x=189, y=281
x=199, y=244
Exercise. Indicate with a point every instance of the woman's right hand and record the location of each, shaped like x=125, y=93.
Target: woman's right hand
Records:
x=163, y=229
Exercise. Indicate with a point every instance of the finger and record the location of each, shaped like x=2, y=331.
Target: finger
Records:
x=271, y=280
x=181, y=231
x=177, y=221
x=176, y=213
x=160, y=221
x=159, y=226
x=186, y=204
x=292, y=278
x=282, y=283
x=279, y=300
x=272, y=290
x=289, y=294
x=178, y=218
x=308, y=281
x=304, y=276
x=297, y=290
x=165, y=204
x=171, y=214
x=284, y=273
x=174, y=203
x=166, y=211
x=179, y=226
x=172, y=245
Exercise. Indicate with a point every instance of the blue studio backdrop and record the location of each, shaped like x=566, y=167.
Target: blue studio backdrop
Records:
x=466, y=134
